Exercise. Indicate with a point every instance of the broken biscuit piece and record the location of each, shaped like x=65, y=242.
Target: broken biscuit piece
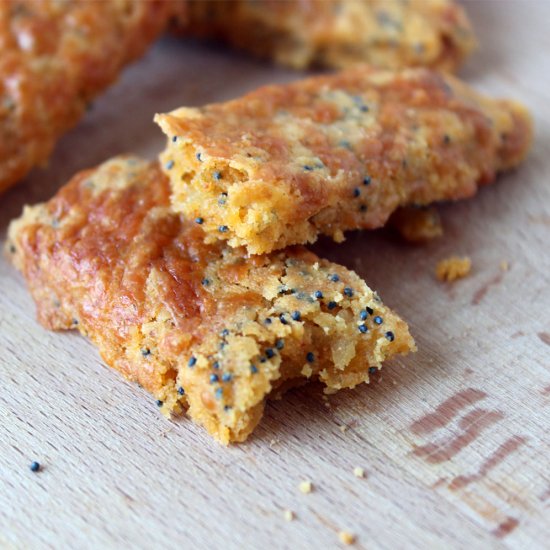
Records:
x=55, y=58
x=286, y=163
x=338, y=33
x=200, y=326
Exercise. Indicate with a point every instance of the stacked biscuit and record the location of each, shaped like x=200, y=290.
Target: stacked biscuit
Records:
x=190, y=274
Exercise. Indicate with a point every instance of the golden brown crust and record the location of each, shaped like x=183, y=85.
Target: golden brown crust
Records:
x=338, y=33
x=109, y=257
x=332, y=153
x=55, y=57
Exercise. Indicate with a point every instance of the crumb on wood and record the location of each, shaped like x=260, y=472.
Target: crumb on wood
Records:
x=504, y=266
x=343, y=428
x=358, y=472
x=417, y=225
x=453, y=268
x=346, y=537
x=306, y=487
x=289, y=515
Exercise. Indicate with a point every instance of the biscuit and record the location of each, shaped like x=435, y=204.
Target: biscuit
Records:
x=55, y=57
x=286, y=163
x=338, y=33
x=200, y=326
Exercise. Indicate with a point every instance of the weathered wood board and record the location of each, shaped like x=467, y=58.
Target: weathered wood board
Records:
x=454, y=440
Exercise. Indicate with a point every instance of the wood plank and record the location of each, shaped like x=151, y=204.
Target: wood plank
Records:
x=454, y=440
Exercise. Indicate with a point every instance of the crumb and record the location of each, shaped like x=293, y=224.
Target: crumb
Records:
x=346, y=537
x=343, y=428
x=358, y=472
x=306, y=487
x=453, y=268
x=504, y=265
x=289, y=515
x=417, y=225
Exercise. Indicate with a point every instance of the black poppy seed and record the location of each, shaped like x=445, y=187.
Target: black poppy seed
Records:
x=308, y=168
x=363, y=328
x=282, y=318
x=348, y=292
x=174, y=139
x=225, y=332
x=226, y=408
x=372, y=370
x=363, y=208
x=263, y=359
x=205, y=282
x=363, y=314
x=227, y=377
x=269, y=353
x=280, y=344
x=253, y=369
x=213, y=378
x=390, y=336
x=199, y=221
x=370, y=311
x=35, y=466
x=446, y=139
x=160, y=403
x=356, y=192
x=334, y=278
x=223, y=229
x=199, y=157
x=367, y=180
x=318, y=294
x=192, y=362
x=378, y=320
x=296, y=315
x=169, y=165
x=181, y=391
x=219, y=393
x=363, y=109
x=222, y=345
x=267, y=320
x=332, y=305
x=145, y=352
x=310, y=357
x=12, y=249
x=217, y=175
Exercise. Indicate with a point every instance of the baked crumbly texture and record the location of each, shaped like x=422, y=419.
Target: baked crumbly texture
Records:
x=198, y=325
x=324, y=155
x=453, y=268
x=338, y=33
x=417, y=224
x=55, y=57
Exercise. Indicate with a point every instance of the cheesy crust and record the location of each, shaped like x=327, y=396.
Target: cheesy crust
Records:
x=324, y=155
x=338, y=33
x=55, y=57
x=200, y=326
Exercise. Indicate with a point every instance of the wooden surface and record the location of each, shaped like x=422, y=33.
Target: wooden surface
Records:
x=454, y=440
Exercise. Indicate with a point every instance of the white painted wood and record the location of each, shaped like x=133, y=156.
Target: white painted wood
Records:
x=473, y=473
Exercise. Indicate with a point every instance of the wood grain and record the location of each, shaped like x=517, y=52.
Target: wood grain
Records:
x=454, y=441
